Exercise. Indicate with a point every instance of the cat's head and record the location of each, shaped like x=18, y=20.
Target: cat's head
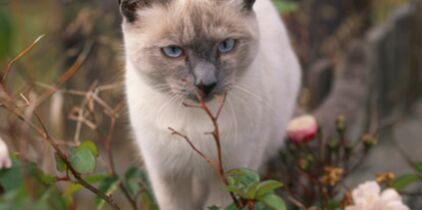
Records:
x=184, y=47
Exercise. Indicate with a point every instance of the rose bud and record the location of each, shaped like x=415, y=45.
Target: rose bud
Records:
x=302, y=129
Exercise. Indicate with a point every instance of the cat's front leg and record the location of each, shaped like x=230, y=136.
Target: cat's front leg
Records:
x=172, y=192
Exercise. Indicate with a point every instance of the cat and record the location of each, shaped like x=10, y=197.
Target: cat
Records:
x=175, y=49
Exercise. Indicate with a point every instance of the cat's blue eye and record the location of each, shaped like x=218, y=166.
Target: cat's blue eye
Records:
x=172, y=51
x=226, y=45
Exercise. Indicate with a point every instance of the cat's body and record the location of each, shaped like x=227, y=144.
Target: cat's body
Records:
x=261, y=94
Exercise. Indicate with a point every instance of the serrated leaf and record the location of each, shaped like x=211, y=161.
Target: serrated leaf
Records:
x=82, y=160
x=60, y=164
x=107, y=186
x=273, y=202
x=242, y=182
x=406, y=180
x=267, y=187
x=91, y=146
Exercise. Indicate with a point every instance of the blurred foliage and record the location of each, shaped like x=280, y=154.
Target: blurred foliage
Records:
x=381, y=10
x=285, y=7
x=5, y=34
x=29, y=189
x=404, y=181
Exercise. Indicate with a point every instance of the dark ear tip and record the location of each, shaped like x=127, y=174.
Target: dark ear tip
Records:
x=128, y=9
x=248, y=4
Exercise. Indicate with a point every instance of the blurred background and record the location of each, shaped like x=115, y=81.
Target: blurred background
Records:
x=361, y=59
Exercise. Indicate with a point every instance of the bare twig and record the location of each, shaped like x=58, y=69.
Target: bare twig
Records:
x=18, y=57
x=68, y=74
x=210, y=162
x=219, y=168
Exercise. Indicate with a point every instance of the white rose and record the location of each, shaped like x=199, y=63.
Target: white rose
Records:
x=368, y=196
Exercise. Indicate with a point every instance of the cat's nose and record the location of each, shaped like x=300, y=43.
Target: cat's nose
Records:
x=206, y=89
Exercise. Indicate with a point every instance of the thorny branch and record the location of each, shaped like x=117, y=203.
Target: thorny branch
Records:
x=8, y=102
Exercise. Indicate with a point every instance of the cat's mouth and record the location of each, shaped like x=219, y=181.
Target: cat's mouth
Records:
x=199, y=96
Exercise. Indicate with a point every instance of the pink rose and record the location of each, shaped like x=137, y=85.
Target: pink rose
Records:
x=302, y=129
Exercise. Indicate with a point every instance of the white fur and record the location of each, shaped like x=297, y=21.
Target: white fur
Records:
x=252, y=124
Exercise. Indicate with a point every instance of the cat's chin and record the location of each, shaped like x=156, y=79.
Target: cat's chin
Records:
x=192, y=98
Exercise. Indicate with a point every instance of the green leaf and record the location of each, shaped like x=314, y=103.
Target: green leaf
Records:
x=90, y=146
x=236, y=191
x=266, y=187
x=273, y=202
x=44, y=194
x=131, y=181
x=334, y=205
x=75, y=187
x=251, y=192
x=406, y=180
x=243, y=182
x=83, y=160
x=244, y=175
x=12, y=178
x=107, y=186
x=60, y=164
x=148, y=201
x=213, y=208
x=231, y=207
x=53, y=199
x=260, y=206
x=96, y=178
x=72, y=189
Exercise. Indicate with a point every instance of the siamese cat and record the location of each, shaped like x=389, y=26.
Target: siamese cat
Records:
x=175, y=49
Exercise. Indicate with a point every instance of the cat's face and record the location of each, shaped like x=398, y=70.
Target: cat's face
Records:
x=190, y=47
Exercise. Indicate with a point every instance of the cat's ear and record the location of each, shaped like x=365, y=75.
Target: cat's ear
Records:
x=248, y=4
x=128, y=8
